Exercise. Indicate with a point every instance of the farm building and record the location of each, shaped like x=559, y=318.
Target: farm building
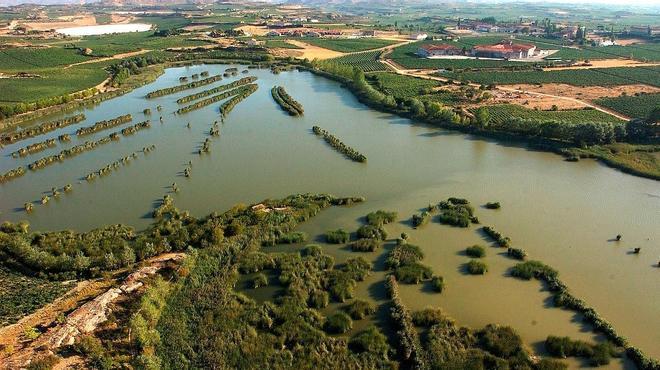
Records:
x=504, y=50
x=418, y=36
x=431, y=50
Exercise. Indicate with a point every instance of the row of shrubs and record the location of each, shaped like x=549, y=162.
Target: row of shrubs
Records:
x=12, y=174
x=130, y=130
x=409, y=345
x=293, y=107
x=229, y=105
x=501, y=240
x=563, y=347
x=103, y=125
x=34, y=148
x=339, y=145
x=178, y=88
x=41, y=129
x=215, y=90
x=116, y=164
x=215, y=98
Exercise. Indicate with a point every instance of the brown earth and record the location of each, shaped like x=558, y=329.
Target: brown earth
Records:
x=586, y=93
x=606, y=63
x=312, y=52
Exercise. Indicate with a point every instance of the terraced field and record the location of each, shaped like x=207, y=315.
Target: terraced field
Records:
x=349, y=45
x=366, y=61
x=636, y=106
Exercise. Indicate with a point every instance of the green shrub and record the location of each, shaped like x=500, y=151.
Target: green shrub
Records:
x=403, y=254
x=475, y=251
x=318, y=299
x=475, y=267
x=313, y=250
x=493, y=205
x=381, y=217
x=372, y=232
x=516, y=253
x=421, y=219
x=550, y=364
x=44, y=363
x=502, y=341
x=338, y=323
x=292, y=238
x=438, y=283
x=259, y=281
x=365, y=245
x=370, y=340
x=360, y=309
x=357, y=268
x=530, y=269
x=340, y=285
x=429, y=317
x=456, y=212
x=413, y=273
x=338, y=236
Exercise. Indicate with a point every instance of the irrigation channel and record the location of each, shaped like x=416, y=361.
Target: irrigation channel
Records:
x=564, y=214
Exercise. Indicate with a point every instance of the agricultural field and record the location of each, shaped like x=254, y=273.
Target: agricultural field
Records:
x=401, y=86
x=28, y=59
x=646, y=52
x=108, y=45
x=349, y=45
x=270, y=43
x=52, y=83
x=634, y=106
x=366, y=61
x=165, y=22
x=503, y=112
x=21, y=295
x=578, y=77
x=405, y=56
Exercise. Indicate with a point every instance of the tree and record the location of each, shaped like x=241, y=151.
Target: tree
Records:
x=482, y=116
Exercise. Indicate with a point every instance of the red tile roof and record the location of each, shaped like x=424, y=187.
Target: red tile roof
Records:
x=431, y=47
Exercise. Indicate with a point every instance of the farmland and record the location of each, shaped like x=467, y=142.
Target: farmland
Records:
x=582, y=77
x=401, y=86
x=504, y=112
x=108, y=45
x=349, y=45
x=270, y=43
x=635, y=106
x=366, y=61
x=27, y=59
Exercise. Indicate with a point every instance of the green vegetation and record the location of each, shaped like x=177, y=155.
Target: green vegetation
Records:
x=21, y=295
x=292, y=238
x=413, y=273
x=501, y=114
x=365, y=245
x=641, y=160
x=403, y=254
x=475, y=251
x=34, y=148
x=438, y=283
x=12, y=174
x=380, y=218
x=104, y=125
x=12, y=137
x=421, y=219
x=286, y=102
x=215, y=90
x=530, y=269
x=372, y=232
x=516, y=253
x=108, y=45
x=474, y=267
x=370, y=340
x=349, y=45
x=29, y=59
x=216, y=98
x=634, y=106
x=457, y=212
x=230, y=104
x=338, y=236
x=401, y=86
x=562, y=347
x=334, y=142
x=428, y=317
x=359, y=309
x=502, y=341
x=500, y=239
x=577, y=77
x=178, y=88
x=493, y=205
x=270, y=43
x=338, y=323
x=367, y=61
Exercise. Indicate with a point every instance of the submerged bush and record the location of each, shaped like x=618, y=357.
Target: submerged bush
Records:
x=338, y=323
x=429, y=317
x=493, y=205
x=475, y=251
x=438, y=283
x=456, y=212
x=338, y=236
x=359, y=309
x=421, y=219
x=475, y=267
x=292, y=238
x=372, y=232
x=370, y=340
x=403, y=254
x=381, y=217
x=365, y=245
x=259, y=281
x=413, y=273
x=357, y=268
x=318, y=299
x=502, y=341
x=530, y=269
x=516, y=253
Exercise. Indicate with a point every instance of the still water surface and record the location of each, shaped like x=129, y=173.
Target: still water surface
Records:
x=561, y=213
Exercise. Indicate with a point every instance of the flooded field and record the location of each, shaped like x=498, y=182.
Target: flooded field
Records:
x=564, y=214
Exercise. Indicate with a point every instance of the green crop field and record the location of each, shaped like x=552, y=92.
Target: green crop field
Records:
x=107, y=45
x=645, y=52
x=165, y=22
x=503, y=112
x=349, y=45
x=401, y=86
x=577, y=77
x=53, y=82
x=406, y=56
x=28, y=59
x=366, y=61
x=634, y=106
x=21, y=295
x=270, y=43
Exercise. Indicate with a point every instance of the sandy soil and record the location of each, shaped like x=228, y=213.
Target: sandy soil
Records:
x=254, y=30
x=85, y=20
x=630, y=41
x=607, y=63
x=312, y=52
x=587, y=93
x=198, y=27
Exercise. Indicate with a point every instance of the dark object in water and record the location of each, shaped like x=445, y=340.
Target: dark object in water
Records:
x=637, y=250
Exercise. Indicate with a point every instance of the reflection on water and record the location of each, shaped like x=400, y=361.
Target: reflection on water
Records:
x=561, y=213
